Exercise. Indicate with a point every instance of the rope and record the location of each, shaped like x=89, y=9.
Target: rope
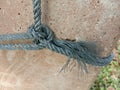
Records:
x=44, y=37
x=37, y=13
x=18, y=36
x=19, y=46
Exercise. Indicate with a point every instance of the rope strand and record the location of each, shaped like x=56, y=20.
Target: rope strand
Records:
x=37, y=13
x=7, y=37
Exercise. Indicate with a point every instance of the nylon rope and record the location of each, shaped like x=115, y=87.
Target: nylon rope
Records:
x=44, y=37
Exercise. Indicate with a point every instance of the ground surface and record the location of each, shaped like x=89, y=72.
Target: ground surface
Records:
x=90, y=20
x=109, y=78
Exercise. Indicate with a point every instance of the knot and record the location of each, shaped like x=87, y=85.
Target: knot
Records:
x=41, y=36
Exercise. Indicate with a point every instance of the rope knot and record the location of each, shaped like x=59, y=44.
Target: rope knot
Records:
x=41, y=36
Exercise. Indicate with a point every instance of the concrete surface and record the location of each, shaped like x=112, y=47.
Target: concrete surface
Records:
x=88, y=20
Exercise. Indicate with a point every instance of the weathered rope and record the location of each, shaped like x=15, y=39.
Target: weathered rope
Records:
x=7, y=37
x=37, y=13
x=43, y=37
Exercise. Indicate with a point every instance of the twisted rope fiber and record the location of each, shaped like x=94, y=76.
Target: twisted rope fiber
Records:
x=43, y=37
